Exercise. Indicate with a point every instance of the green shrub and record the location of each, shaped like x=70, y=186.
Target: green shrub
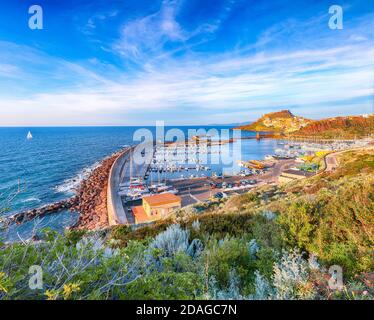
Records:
x=122, y=234
x=220, y=257
x=267, y=232
x=165, y=286
x=222, y=225
x=299, y=223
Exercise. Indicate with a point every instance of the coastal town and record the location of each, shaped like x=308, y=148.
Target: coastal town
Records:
x=217, y=154
x=125, y=202
x=121, y=191
x=156, y=189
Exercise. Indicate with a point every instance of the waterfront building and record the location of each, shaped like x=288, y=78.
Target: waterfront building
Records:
x=156, y=207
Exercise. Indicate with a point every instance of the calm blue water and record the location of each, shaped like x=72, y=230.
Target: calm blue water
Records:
x=48, y=167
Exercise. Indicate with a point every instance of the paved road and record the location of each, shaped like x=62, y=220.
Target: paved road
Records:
x=116, y=211
x=331, y=162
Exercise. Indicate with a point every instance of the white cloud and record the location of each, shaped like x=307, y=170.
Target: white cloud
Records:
x=299, y=78
x=213, y=88
x=148, y=34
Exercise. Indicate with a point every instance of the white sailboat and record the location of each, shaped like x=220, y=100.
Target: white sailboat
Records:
x=29, y=136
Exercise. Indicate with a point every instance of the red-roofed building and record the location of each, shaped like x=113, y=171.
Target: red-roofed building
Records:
x=156, y=207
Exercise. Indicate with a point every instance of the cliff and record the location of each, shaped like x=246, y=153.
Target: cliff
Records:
x=278, y=122
x=339, y=127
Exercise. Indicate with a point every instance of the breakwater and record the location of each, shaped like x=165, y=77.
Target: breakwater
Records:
x=25, y=216
x=90, y=201
x=92, y=197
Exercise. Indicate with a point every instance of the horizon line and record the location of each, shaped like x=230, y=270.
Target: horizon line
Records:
x=234, y=123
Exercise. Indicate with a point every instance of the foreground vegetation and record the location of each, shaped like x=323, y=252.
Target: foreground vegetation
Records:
x=271, y=243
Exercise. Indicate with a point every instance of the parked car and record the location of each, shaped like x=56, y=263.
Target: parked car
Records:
x=218, y=195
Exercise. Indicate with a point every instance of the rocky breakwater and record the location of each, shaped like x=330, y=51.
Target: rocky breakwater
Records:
x=29, y=215
x=92, y=197
x=90, y=201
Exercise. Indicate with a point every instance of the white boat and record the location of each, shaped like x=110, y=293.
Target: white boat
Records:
x=173, y=191
x=29, y=136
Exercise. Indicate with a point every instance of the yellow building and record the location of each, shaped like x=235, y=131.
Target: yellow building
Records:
x=156, y=207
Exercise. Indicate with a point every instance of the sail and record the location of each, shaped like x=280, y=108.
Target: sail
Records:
x=29, y=136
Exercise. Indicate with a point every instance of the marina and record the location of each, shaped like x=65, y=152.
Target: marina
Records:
x=195, y=171
x=187, y=171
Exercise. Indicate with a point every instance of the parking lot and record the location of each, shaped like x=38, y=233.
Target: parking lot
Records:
x=200, y=189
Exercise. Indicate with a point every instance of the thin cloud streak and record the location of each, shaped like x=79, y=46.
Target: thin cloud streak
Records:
x=215, y=87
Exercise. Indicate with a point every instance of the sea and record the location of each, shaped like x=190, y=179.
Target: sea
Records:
x=50, y=166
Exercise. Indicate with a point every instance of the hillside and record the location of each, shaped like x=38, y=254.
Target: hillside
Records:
x=274, y=242
x=278, y=122
x=339, y=127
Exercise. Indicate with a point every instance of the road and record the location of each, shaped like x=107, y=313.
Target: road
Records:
x=331, y=162
x=116, y=211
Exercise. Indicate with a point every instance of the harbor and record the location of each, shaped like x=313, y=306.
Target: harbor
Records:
x=189, y=171
x=178, y=175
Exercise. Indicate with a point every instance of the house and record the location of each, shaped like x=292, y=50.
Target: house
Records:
x=292, y=175
x=156, y=207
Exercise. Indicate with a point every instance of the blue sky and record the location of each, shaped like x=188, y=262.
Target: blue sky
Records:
x=124, y=62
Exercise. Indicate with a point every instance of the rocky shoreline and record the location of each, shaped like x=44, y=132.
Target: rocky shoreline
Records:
x=31, y=214
x=92, y=197
x=90, y=201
